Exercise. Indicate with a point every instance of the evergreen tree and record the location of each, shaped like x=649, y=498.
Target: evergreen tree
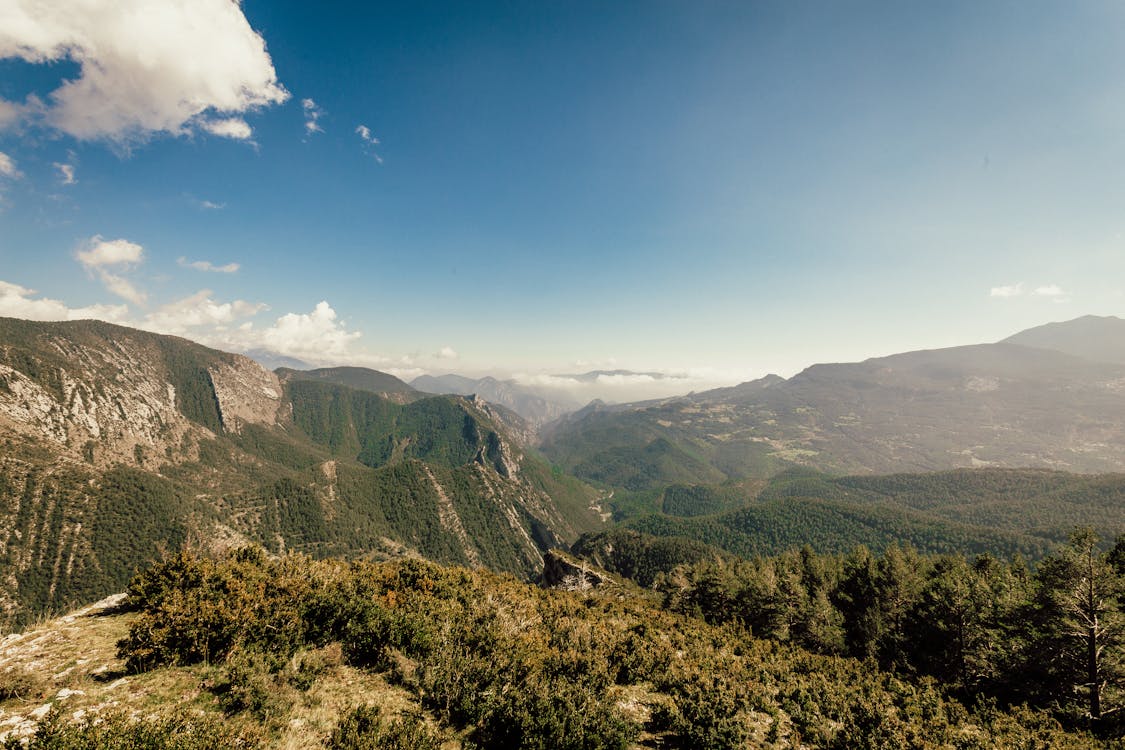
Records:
x=1083, y=625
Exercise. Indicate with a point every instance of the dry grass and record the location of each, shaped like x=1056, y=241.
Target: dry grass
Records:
x=72, y=661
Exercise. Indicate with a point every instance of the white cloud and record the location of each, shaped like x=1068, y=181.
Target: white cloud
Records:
x=370, y=140
x=66, y=173
x=10, y=114
x=19, y=302
x=625, y=386
x=314, y=336
x=8, y=167
x=1050, y=290
x=626, y=379
x=546, y=380
x=146, y=66
x=101, y=252
x=100, y=255
x=230, y=127
x=182, y=316
x=122, y=287
x=446, y=352
x=1010, y=290
x=318, y=336
x=205, y=205
x=206, y=265
x=312, y=114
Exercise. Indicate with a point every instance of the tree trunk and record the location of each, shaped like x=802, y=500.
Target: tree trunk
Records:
x=1093, y=678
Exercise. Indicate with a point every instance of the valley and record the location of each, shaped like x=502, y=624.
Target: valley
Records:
x=124, y=449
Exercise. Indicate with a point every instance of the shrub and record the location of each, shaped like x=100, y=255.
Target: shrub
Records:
x=364, y=729
x=250, y=682
x=116, y=731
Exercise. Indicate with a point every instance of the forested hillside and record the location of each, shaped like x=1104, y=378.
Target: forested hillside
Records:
x=981, y=626
x=298, y=653
x=966, y=511
x=121, y=444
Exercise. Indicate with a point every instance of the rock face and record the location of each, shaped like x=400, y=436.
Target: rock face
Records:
x=561, y=571
x=247, y=393
x=109, y=395
x=135, y=407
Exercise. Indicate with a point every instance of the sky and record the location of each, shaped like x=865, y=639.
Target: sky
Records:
x=715, y=190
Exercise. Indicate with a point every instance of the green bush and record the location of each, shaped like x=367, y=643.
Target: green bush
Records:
x=364, y=729
x=116, y=731
x=253, y=683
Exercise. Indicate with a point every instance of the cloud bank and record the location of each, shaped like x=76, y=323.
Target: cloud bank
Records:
x=146, y=66
x=318, y=336
x=19, y=302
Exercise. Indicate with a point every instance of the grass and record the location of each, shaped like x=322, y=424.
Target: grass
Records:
x=72, y=661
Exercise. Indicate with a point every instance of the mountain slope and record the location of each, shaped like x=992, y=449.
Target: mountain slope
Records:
x=508, y=393
x=117, y=444
x=360, y=378
x=1099, y=339
x=986, y=405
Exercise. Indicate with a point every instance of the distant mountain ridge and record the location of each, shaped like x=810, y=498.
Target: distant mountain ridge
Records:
x=1098, y=339
x=535, y=408
x=1003, y=404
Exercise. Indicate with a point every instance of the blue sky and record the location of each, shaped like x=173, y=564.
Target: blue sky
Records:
x=718, y=188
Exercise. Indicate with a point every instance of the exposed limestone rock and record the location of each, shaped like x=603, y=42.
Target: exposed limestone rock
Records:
x=113, y=403
x=135, y=407
x=247, y=393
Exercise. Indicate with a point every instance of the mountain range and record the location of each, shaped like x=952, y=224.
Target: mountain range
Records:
x=534, y=407
x=118, y=443
x=1006, y=404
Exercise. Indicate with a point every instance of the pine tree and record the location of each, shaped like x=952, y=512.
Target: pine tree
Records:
x=1083, y=622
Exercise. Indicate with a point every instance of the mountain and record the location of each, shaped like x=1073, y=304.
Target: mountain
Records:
x=1003, y=404
x=118, y=444
x=360, y=378
x=1099, y=339
x=273, y=360
x=535, y=408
